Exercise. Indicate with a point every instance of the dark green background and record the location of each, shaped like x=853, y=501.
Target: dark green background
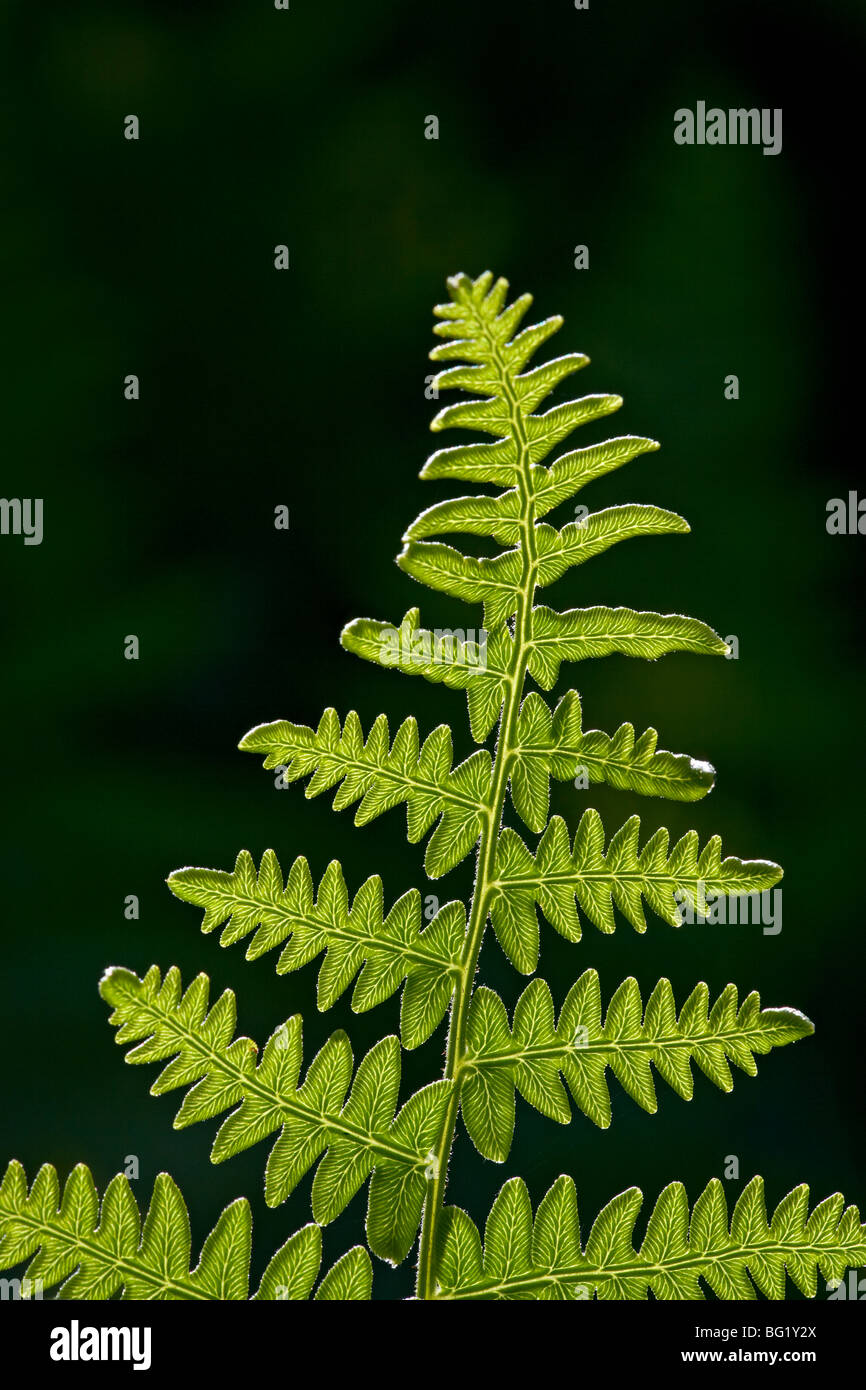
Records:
x=307, y=388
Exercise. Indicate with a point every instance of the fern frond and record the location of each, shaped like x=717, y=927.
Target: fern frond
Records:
x=555, y=745
x=593, y=632
x=344, y=1125
x=478, y=667
x=386, y=950
x=382, y=775
x=559, y=876
x=97, y=1250
x=479, y=330
x=532, y=1053
x=348, y=1135
x=544, y=1259
x=480, y=333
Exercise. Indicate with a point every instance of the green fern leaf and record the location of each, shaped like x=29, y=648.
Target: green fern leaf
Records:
x=495, y=581
x=350, y=1279
x=349, y=1136
x=555, y=745
x=522, y=1259
x=498, y=517
x=292, y=1272
x=487, y=1092
x=382, y=775
x=97, y=1251
x=559, y=874
x=535, y=1051
x=480, y=667
x=294, y=1269
x=559, y=551
x=571, y=472
x=595, y=632
x=386, y=950
x=96, y=1254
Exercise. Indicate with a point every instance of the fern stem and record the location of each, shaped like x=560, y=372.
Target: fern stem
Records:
x=486, y=858
x=456, y=1046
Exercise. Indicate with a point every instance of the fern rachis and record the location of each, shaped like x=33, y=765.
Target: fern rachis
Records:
x=344, y=1121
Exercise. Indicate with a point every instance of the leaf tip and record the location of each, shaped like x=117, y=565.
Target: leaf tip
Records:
x=112, y=981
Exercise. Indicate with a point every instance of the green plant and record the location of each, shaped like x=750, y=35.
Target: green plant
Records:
x=348, y=1128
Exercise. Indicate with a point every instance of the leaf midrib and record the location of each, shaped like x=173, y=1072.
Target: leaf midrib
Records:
x=280, y=911
x=601, y=1273
x=565, y=1050
x=402, y=778
x=617, y=875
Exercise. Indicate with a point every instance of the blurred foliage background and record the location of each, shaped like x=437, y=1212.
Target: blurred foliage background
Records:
x=306, y=388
